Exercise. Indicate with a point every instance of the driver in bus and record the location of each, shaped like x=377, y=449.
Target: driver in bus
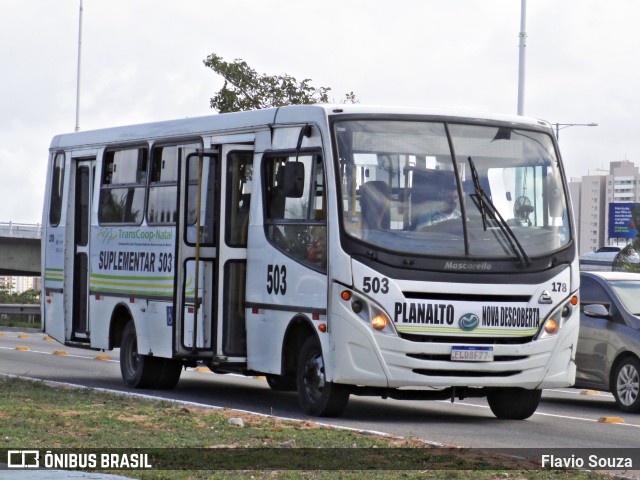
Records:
x=443, y=206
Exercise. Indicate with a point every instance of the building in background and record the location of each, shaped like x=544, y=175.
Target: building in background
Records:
x=602, y=203
x=20, y=284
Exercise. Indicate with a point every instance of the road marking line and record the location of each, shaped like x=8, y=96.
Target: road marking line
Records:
x=52, y=353
x=441, y=401
x=568, y=417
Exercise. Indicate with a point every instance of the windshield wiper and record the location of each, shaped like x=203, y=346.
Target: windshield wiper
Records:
x=486, y=207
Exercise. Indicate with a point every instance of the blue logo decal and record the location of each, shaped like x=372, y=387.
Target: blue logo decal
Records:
x=468, y=322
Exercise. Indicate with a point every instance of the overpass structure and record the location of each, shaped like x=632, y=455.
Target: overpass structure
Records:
x=20, y=249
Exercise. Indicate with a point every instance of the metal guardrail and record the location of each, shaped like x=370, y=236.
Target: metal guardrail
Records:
x=20, y=230
x=30, y=310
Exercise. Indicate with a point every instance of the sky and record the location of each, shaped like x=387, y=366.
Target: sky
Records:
x=142, y=61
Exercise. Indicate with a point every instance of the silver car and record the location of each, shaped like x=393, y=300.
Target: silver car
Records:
x=608, y=350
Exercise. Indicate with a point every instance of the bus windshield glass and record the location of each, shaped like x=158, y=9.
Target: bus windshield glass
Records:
x=461, y=190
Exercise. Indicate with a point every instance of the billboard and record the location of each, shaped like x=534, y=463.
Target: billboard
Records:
x=623, y=218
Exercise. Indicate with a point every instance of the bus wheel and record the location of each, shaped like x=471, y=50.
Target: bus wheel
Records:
x=317, y=396
x=169, y=373
x=513, y=403
x=279, y=383
x=143, y=371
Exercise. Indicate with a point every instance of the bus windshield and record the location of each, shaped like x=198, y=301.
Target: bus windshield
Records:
x=430, y=188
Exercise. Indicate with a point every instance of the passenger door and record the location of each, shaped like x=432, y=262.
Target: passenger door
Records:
x=235, y=200
x=211, y=266
x=197, y=250
x=77, y=293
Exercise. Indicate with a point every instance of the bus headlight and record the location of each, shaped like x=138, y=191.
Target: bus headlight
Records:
x=379, y=322
x=558, y=318
x=369, y=313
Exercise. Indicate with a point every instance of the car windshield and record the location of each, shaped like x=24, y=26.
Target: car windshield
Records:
x=403, y=189
x=628, y=291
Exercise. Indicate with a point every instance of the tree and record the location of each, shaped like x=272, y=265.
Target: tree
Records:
x=245, y=89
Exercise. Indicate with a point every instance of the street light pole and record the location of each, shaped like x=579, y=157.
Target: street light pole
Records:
x=521, y=46
x=560, y=126
x=78, y=73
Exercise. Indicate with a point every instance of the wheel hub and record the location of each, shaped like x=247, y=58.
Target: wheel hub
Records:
x=628, y=385
x=314, y=377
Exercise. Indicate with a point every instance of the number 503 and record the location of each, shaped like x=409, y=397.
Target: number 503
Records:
x=276, y=279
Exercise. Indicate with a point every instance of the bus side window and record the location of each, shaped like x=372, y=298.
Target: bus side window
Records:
x=122, y=192
x=297, y=224
x=57, y=186
x=239, y=181
x=162, y=208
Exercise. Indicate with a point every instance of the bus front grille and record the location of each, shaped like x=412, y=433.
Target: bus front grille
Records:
x=464, y=373
x=412, y=337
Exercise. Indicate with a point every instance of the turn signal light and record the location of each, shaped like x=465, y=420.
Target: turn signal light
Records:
x=574, y=300
x=345, y=295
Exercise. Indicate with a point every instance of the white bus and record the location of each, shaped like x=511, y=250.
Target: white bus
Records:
x=336, y=250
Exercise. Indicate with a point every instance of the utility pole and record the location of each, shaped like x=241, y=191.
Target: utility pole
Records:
x=521, y=46
x=78, y=76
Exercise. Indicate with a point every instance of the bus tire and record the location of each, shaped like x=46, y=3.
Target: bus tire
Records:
x=138, y=371
x=279, y=383
x=513, y=403
x=169, y=373
x=318, y=397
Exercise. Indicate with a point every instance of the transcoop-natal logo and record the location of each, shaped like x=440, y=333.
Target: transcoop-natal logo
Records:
x=468, y=322
x=468, y=266
x=108, y=235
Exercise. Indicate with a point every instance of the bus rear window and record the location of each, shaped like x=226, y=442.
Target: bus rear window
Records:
x=57, y=185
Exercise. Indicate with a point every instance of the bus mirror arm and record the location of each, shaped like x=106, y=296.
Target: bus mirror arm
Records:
x=304, y=132
x=293, y=174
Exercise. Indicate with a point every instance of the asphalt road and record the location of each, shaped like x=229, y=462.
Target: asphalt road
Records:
x=565, y=418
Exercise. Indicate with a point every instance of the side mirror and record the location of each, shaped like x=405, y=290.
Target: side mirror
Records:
x=293, y=179
x=596, y=311
x=554, y=189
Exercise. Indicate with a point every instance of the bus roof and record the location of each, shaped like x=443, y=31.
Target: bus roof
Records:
x=221, y=123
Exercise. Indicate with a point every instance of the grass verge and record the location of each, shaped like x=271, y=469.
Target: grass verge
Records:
x=36, y=416
x=16, y=321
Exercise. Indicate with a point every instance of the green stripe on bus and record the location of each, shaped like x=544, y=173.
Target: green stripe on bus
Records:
x=477, y=332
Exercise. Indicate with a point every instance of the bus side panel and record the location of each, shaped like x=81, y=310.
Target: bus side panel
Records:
x=54, y=315
x=153, y=321
x=133, y=267
x=155, y=329
x=275, y=279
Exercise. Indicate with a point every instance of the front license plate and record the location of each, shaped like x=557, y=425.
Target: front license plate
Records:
x=472, y=354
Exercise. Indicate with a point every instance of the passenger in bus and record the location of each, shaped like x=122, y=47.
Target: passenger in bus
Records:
x=317, y=247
